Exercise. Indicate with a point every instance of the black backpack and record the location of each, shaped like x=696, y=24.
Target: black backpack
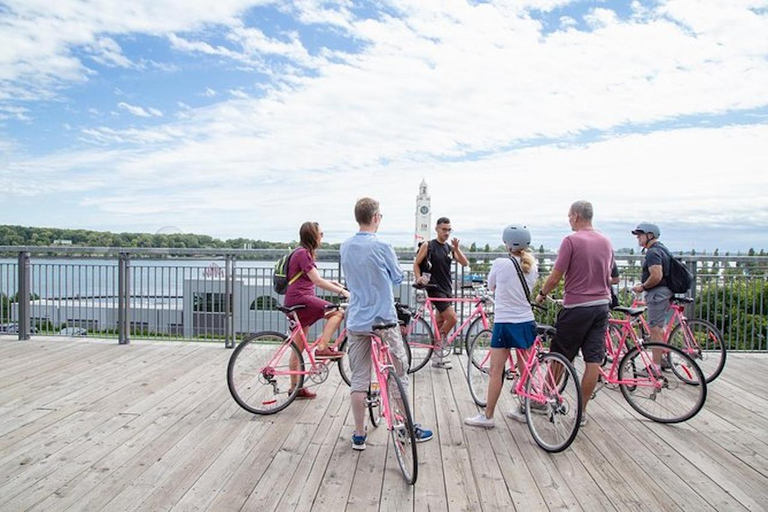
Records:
x=679, y=279
x=280, y=279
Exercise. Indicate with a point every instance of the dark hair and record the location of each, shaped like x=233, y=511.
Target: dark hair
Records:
x=309, y=237
x=365, y=209
x=443, y=220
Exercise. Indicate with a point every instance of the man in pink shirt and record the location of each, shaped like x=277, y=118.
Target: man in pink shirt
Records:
x=585, y=258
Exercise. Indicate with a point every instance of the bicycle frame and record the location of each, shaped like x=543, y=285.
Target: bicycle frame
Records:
x=479, y=310
x=296, y=332
x=382, y=362
x=627, y=332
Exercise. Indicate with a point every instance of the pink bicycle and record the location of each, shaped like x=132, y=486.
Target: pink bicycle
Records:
x=424, y=338
x=387, y=399
x=549, y=388
x=673, y=393
x=698, y=338
x=259, y=374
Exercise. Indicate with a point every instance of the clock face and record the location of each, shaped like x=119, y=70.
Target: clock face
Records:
x=424, y=210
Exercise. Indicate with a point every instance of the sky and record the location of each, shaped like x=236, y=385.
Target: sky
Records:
x=245, y=118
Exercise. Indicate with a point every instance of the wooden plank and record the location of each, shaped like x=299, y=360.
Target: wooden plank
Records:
x=460, y=485
x=429, y=492
x=307, y=480
x=488, y=478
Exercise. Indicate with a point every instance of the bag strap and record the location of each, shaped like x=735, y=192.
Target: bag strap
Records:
x=287, y=264
x=522, y=278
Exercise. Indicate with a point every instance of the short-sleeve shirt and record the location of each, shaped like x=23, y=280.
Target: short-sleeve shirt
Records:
x=301, y=260
x=511, y=305
x=586, y=259
x=655, y=255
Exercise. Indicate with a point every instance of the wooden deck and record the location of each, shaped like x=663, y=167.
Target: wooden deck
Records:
x=89, y=425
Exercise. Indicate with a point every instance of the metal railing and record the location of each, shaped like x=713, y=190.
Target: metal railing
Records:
x=220, y=295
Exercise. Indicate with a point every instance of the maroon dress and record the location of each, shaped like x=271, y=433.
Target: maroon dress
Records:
x=302, y=291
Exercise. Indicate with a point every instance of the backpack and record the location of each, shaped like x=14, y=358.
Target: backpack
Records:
x=679, y=278
x=280, y=279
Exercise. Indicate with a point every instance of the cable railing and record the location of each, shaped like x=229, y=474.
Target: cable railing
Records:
x=222, y=295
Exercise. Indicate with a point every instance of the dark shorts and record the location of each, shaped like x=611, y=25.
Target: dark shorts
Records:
x=314, y=310
x=439, y=294
x=510, y=335
x=582, y=329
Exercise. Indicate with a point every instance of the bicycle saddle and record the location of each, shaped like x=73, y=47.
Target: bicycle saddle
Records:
x=291, y=309
x=545, y=329
x=630, y=311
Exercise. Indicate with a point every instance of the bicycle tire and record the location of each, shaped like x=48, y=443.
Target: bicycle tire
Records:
x=374, y=407
x=420, y=341
x=475, y=327
x=254, y=386
x=479, y=366
x=555, y=428
x=672, y=392
x=706, y=346
x=344, y=369
x=401, y=428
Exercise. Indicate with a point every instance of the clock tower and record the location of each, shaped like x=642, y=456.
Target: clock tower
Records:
x=423, y=215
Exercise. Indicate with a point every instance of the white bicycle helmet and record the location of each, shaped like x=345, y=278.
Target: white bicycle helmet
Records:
x=516, y=237
x=647, y=227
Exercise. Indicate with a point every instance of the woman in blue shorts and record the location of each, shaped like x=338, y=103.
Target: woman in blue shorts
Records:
x=514, y=326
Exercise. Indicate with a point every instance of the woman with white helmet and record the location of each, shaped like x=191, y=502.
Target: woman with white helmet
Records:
x=514, y=326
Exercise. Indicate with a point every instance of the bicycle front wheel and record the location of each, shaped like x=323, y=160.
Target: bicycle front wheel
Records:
x=554, y=401
x=475, y=327
x=420, y=340
x=703, y=342
x=671, y=397
x=401, y=428
x=258, y=373
x=479, y=366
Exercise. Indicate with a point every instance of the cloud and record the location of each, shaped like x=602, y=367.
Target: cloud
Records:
x=478, y=97
x=140, y=111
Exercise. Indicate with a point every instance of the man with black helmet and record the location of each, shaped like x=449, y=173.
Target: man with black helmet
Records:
x=653, y=280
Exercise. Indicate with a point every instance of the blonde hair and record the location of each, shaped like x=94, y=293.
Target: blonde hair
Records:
x=526, y=259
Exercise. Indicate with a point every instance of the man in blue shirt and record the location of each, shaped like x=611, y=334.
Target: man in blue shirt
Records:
x=371, y=269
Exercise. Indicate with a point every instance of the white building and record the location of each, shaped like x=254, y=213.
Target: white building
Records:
x=423, y=216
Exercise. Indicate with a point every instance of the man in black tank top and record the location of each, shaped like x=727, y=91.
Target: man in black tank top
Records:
x=439, y=256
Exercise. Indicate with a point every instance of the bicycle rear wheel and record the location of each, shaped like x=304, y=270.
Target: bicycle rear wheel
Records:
x=674, y=396
x=344, y=369
x=703, y=342
x=401, y=428
x=479, y=366
x=555, y=426
x=258, y=377
x=420, y=340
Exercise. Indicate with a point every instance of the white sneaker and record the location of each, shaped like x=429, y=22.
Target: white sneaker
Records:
x=479, y=421
x=517, y=414
x=444, y=364
x=584, y=420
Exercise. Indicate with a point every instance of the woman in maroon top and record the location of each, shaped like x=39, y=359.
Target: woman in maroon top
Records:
x=302, y=291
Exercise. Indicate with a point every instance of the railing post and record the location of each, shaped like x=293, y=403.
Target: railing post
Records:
x=228, y=287
x=123, y=299
x=23, y=296
x=689, y=308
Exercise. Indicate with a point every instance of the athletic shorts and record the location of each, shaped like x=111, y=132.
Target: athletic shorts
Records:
x=440, y=305
x=657, y=302
x=582, y=328
x=359, y=353
x=509, y=335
